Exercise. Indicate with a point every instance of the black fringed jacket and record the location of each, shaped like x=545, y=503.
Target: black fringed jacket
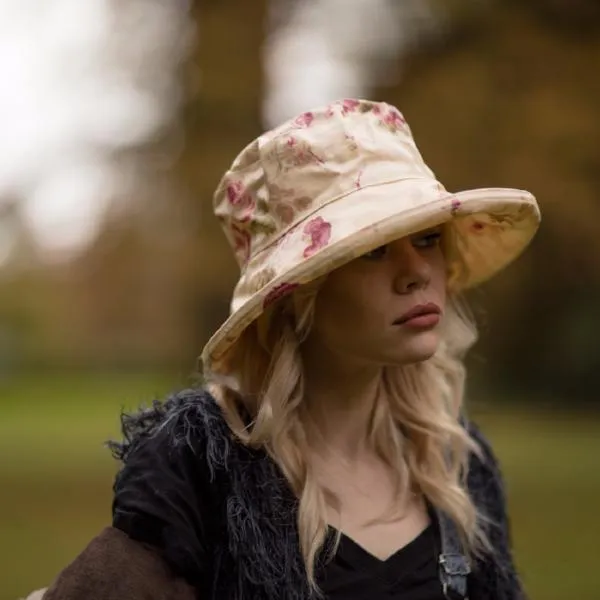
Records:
x=198, y=516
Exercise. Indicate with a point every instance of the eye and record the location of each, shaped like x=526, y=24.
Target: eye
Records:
x=427, y=239
x=376, y=254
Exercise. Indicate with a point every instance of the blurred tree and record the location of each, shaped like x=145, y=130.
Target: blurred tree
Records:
x=504, y=97
x=573, y=16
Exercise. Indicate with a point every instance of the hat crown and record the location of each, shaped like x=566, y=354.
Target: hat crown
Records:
x=317, y=158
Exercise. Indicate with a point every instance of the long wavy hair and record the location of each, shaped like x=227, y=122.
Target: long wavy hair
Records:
x=415, y=426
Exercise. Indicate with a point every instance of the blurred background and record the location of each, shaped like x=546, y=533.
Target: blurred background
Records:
x=118, y=118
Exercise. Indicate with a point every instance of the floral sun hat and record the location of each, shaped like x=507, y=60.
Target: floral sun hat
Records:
x=339, y=181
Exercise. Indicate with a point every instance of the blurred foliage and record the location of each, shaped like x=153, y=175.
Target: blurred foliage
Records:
x=506, y=96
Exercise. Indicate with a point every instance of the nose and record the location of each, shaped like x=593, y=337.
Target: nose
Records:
x=413, y=271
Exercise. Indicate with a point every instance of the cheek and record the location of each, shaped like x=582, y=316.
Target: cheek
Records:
x=343, y=312
x=334, y=314
x=439, y=275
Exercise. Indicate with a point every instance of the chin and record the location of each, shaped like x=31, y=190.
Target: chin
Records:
x=417, y=349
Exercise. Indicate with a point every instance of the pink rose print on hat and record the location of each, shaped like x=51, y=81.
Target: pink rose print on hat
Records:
x=319, y=232
x=394, y=117
x=349, y=105
x=393, y=120
x=241, y=199
x=278, y=292
x=304, y=120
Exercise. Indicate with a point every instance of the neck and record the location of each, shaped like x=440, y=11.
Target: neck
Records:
x=340, y=398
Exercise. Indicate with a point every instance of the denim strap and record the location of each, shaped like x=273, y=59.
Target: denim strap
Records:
x=454, y=566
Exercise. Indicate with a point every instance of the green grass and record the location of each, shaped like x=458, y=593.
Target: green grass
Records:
x=550, y=464
x=56, y=478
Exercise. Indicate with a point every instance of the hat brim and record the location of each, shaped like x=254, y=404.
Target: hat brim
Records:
x=489, y=228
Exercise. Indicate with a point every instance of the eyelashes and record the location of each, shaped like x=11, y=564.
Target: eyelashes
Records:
x=421, y=241
x=427, y=240
x=376, y=254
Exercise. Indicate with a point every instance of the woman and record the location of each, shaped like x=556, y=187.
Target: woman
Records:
x=328, y=453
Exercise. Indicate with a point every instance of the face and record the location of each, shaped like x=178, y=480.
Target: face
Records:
x=384, y=308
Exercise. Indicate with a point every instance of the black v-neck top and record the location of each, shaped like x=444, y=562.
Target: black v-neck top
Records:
x=408, y=574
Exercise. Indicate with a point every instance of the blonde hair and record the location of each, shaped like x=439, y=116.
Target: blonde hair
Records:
x=415, y=427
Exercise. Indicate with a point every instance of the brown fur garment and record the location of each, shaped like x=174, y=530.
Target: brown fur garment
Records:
x=114, y=567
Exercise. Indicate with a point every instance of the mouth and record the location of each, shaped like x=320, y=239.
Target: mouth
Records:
x=423, y=316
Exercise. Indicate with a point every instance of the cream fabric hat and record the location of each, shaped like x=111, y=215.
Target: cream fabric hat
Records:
x=337, y=182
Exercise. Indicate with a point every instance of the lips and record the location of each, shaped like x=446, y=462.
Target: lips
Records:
x=422, y=310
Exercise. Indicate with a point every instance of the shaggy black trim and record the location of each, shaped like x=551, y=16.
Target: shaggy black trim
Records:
x=497, y=572
x=224, y=517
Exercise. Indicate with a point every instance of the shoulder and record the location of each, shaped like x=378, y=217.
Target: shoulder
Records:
x=189, y=419
x=485, y=478
x=112, y=567
x=166, y=493
x=495, y=572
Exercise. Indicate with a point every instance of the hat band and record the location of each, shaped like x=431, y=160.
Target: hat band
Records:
x=345, y=194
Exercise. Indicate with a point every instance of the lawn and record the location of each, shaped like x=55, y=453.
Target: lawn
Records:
x=56, y=477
